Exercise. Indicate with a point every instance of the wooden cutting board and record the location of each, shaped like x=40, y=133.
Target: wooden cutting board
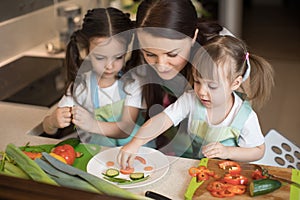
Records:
x=281, y=193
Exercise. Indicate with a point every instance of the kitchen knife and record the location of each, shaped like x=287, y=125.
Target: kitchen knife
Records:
x=156, y=196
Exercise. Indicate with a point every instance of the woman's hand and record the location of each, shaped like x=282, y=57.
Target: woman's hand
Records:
x=84, y=119
x=216, y=150
x=61, y=117
x=127, y=155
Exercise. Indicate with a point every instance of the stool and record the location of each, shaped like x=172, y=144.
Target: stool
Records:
x=280, y=152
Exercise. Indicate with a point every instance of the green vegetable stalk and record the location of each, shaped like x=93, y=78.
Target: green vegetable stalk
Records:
x=28, y=165
x=102, y=185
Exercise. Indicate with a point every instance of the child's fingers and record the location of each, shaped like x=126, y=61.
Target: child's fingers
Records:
x=211, y=150
x=122, y=159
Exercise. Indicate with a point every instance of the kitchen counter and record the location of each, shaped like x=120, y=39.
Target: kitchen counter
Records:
x=17, y=119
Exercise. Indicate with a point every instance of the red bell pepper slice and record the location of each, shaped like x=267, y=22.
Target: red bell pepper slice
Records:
x=216, y=186
x=237, y=189
x=233, y=167
x=202, y=176
x=235, y=179
x=193, y=171
x=227, y=193
x=257, y=174
x=216, y=194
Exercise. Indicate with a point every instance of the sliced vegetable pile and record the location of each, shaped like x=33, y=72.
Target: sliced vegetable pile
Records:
x=128, y=175
x=134, y=177
x=232, y=182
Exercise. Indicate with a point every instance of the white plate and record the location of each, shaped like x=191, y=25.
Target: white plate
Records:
x=156, y=159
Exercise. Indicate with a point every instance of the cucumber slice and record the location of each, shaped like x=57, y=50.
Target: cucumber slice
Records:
x=263, y=186
x=112, y=172
x=136, y=176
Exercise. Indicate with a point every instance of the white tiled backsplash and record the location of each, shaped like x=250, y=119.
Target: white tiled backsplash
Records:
x=27, y=31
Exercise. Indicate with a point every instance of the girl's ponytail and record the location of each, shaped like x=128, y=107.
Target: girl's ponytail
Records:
x=261, y=81
x=73, y=61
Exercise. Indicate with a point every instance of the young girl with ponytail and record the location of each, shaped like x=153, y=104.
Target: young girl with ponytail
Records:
x=95, y=99
x=228, y=80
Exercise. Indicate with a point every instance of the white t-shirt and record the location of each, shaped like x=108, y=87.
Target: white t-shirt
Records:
x=106, y=95
x=250, y=136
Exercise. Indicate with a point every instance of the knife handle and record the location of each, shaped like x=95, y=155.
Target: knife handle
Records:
x=156, y=196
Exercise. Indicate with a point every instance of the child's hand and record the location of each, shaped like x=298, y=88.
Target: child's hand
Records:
x=215, y=150
x=61, y=117
x=127, y=155
x=83, y=119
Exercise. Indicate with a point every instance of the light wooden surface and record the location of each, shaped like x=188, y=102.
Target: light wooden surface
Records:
x=281, y=193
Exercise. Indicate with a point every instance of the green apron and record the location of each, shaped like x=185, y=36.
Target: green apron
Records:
x=202, y=134
x=111, y=113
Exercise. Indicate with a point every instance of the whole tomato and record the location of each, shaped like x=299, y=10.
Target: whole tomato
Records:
x=67, y=152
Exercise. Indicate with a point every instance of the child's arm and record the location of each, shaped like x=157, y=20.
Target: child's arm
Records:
x=60, y=118
x=150, y=130
x=121, y=129
x=217, y=150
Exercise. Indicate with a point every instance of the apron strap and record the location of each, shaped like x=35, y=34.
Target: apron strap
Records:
x=200, y=111
x=242, y=116
x=94, y=90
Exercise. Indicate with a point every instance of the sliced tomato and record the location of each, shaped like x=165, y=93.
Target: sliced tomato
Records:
x=127, y=170
x=232, y=167
x=141, y=159
x=235, y=179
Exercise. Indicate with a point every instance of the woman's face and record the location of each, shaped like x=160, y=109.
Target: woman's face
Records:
x=167, y=56
x=107, y=56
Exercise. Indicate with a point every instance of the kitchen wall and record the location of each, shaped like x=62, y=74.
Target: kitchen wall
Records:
x=25, y=31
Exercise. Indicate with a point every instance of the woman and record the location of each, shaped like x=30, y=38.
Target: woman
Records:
x=167, y=32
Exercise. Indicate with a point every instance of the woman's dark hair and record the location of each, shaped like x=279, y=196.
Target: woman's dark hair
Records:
x=177, y=16
x=99, y=22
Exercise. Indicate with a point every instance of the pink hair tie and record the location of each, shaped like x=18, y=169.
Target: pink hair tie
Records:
x=247, y=56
